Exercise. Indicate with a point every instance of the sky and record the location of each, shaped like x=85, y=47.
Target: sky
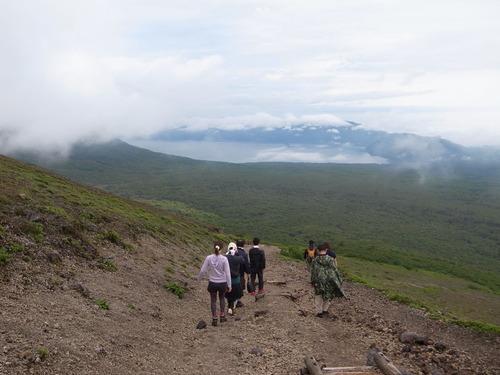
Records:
x=96, y=70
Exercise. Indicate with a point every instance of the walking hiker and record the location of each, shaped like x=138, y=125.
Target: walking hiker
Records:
x=257, y=265
x=326, y=280
x=219, y=281
x=309, y=254
x=244, y=268
x=235, y=261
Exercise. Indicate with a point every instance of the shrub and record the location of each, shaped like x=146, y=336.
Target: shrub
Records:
x=4, y=256
x=43, y=353
x=111, y=236
x=15, y=248
x=175, y=288
x=102, y=304
x=292, y=252
x=108, y=265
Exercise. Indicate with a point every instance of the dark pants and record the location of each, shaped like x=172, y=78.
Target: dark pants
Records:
x=243, y=282
x=217, y=289
x=258, y=273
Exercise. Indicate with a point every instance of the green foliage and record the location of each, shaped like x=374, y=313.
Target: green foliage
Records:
x=108, y=265
x=15, y=247
x=102, y=304
x=479, y=326
x=4, y=256
x=43, y=353
x=373, y=212
x=404, y=299
x=175, y=288
x=447, y=221
x=35, y=229
x=111, y=236
x=56, y=210
x=185, y=210
x=71, y=242
x=292, y=252
x=128, y=246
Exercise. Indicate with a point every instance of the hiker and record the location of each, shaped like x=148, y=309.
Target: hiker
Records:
x=257, y=265
x=309, y=254
x=219, y=281
x=326, y=280
x=331, y=253
x=244, y=268
x=235, y=261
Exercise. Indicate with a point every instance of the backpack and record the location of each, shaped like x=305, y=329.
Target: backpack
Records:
x=311, y=253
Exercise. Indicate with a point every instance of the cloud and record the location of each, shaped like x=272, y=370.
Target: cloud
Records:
x=320, y=155
x=96, y=70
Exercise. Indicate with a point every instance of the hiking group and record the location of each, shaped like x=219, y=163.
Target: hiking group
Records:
x=227, y=276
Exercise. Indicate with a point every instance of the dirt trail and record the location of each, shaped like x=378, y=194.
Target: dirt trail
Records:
x=148, y=330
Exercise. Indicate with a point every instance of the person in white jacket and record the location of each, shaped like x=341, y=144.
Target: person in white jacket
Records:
x=219, y=280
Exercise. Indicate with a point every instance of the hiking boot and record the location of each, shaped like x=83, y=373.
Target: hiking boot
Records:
x=223, y=318
x=252, y=293
x=261, y=291
x=319, y=315
x=214, y=321
x=230, y=311
x=240, y=304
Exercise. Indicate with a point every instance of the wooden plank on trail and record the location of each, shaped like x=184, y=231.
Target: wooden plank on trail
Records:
x=350, y=369
x=385, y=364
x=312, y=366
x=330, y=372
x=279, y=282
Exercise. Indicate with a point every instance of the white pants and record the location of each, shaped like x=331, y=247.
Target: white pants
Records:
x=321, y=303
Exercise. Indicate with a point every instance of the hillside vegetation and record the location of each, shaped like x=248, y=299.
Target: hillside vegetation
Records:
x=97, y=284
x=441, y=222
x=43, y=215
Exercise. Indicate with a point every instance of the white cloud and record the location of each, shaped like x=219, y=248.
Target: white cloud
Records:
x=103, y=69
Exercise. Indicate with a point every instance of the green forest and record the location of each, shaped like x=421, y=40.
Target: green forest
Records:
x=446, y=220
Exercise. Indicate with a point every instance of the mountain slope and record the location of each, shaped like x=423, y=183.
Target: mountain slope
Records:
x=335, y=140
x=83, y=292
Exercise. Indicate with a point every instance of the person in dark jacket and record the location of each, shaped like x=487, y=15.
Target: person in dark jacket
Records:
x=330, y=253
x=235, y=262
x=257, y=264
x=244, y=268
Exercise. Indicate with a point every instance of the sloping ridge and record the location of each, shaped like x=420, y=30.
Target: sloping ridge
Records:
x=83, y=277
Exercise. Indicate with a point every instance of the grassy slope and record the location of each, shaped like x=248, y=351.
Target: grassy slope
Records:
x=40, y=210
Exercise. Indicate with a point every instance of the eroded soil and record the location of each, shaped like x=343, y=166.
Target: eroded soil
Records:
x=50, y=324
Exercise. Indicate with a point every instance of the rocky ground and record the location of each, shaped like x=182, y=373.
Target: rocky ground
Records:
x=50, y=324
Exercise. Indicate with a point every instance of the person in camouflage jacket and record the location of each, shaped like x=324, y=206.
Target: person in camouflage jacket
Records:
x=326, y=280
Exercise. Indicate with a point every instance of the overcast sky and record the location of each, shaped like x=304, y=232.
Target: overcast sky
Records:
x=73, y=70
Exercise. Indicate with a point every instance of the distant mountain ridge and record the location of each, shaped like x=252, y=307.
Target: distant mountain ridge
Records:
x=388, y=148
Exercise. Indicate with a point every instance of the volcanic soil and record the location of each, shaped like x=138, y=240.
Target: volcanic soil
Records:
x=50, y=323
